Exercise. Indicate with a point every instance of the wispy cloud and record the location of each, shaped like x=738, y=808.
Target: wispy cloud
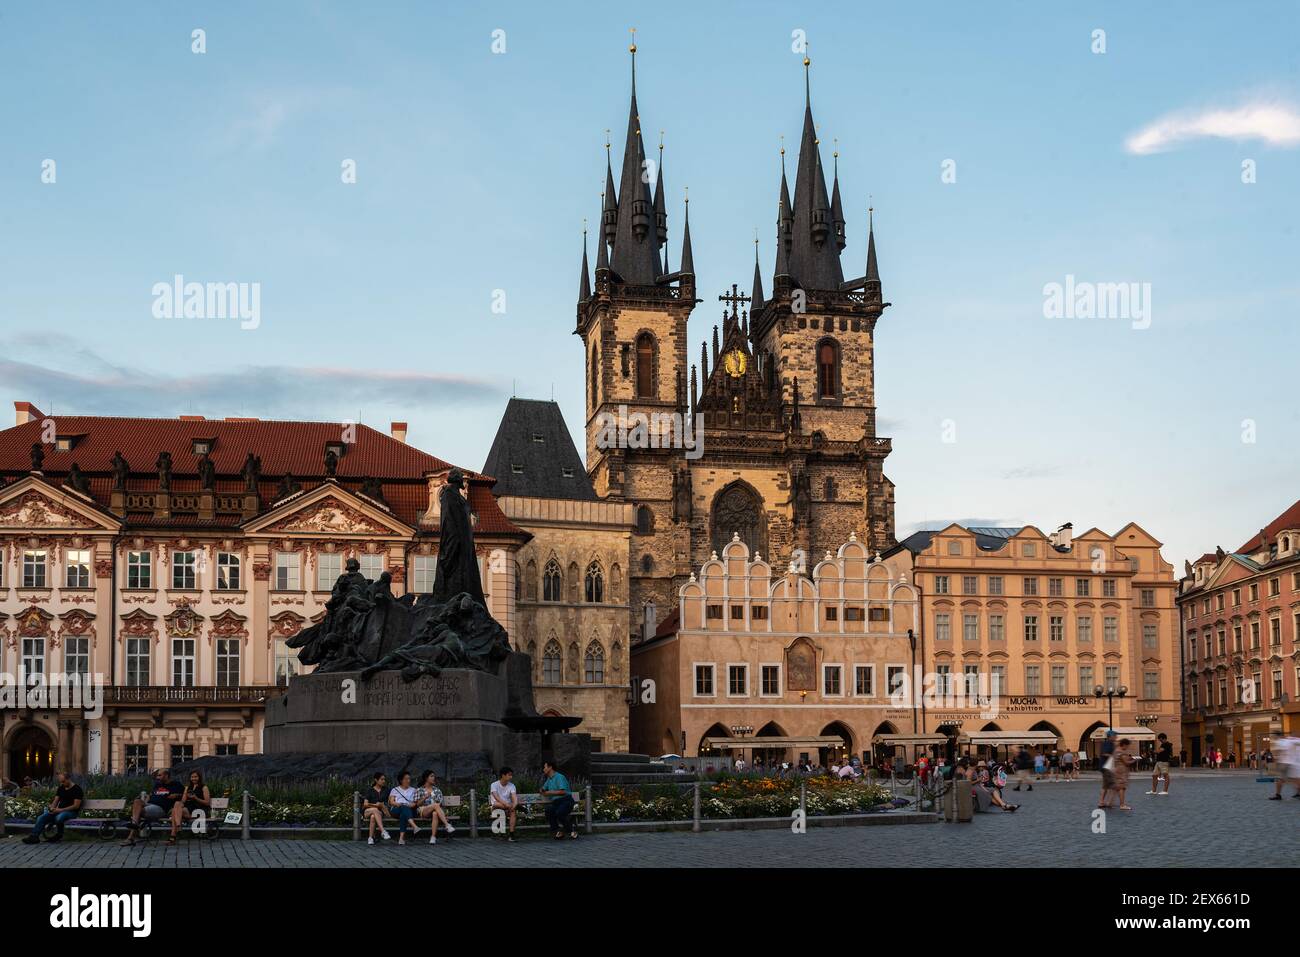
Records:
x=269, y=111
x=1033, y=472
x=71, y=379
x=1276, y=123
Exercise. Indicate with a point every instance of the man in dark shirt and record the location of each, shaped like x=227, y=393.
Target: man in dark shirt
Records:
x=64, y=806
x=374, y=800
x=1160, y=770
x=162, y=796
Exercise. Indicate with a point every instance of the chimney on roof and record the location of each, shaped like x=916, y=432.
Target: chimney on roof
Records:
x=398, y=431
x=25, y=412
x=1061, y=537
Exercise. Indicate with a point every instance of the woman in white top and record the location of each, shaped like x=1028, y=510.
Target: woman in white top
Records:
x=401, y=800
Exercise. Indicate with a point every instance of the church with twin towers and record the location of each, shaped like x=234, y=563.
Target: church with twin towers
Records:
x=783, y=397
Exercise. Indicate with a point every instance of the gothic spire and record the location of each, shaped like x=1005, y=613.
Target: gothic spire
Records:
x=782, y=250
x=688, y=260
x=584, y=284
x=756, y=296
x=609, y=210
x=814, y=263
x=873, y=271
x=661, y=215
x=636, y=255
x=837, y=208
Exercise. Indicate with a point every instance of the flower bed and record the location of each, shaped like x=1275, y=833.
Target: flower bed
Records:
x=737, y=797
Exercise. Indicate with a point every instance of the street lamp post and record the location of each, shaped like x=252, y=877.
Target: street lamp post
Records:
x=1110, y=693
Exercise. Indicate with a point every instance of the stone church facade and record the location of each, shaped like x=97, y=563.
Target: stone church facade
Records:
x=782, y=403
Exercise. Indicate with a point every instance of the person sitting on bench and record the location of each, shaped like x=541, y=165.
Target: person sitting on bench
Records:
x=373, y=801
x=164, y=795
x=559, y=811
x=195, y=799
x=401, y=800
x=429, y=803
x=67, y=799
x=503, y=796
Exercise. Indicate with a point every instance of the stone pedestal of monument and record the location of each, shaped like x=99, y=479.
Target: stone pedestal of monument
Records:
x=462, y=723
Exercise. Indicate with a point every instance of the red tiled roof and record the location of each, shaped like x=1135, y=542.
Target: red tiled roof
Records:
x=1207, y=557
x=1288, y=519
x=296, y=448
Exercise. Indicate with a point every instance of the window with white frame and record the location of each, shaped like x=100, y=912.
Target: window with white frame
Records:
x=76, y=567
x=995, y=584
x=738, y=681
x=137, y=662
x=1110, y=629
x=184, y=570
x=1058, y=679
x=228, y=577
x=971, y=679
x=76, y=656
x=139, y=569
x=1056, y=628
x=1031, y=627
x=1109, y=588
x=1083, y=629
x=864, y=680
x=32, y=664
x=831, y=680
x=372, y=566
x=771, y=680
x=970, y=627
x=895, y=679
x=997, y=628
x=941, y=584
x=426, y=569
x=1033, y=680
x=288, y=570
x=182, y=662
x=228, y=662
x=1151, y=684
x=997, y=679
x=1085, y=680
x=34, y=567
x=704, y=680
x=286, y=662
x=1150, y=635
x=942, y=627
x=329, y=566
x=944, y=675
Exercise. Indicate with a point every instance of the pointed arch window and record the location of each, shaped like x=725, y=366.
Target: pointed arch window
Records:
x=552, y=662
x=828, y=369
x=552, y=582
x=645, y=521
x=645, y=366
x=593, y=665
x=595, y=583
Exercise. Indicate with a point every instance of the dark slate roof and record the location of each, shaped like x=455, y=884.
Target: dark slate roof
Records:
x=533, y=454
x=987, y=538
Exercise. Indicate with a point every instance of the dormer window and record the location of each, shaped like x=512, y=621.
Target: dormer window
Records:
x=66, y=443
x=338, y=448
x=567, y=473
x=539, y=438
x=517, y=469
x=202, y=447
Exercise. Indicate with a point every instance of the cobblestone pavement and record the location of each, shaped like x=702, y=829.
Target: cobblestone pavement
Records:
x=1054, y=827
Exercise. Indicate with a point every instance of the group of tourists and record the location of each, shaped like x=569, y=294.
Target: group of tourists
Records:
x=408, y=804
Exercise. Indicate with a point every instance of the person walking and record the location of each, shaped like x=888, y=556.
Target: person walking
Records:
x=1121, y=763
x=1023, y=764
x=1288, y=764
x=1107, y=767
x=1160, y=770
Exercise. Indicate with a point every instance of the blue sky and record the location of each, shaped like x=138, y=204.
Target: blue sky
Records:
x=475, y=171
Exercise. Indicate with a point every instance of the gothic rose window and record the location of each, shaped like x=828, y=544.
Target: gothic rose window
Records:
x=739, y=510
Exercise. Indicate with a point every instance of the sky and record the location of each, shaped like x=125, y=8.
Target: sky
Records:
x=1004, y=148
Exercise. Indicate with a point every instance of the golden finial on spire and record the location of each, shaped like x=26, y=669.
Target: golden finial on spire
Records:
x=607, y=138
x=632, y=49
x=836, y=153
x=686, y=191
x=782, y=144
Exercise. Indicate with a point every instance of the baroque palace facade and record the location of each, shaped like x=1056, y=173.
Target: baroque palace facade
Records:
x=1241, y=619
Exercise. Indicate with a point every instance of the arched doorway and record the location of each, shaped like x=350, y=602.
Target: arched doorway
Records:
x=883, y=752
x=840, y=753
x=1087, y=747
x=710, y=756
x=770, y=756
x=738, y=510
x=31, y=754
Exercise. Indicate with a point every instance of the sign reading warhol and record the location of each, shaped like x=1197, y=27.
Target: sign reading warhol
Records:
x=40, y=692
